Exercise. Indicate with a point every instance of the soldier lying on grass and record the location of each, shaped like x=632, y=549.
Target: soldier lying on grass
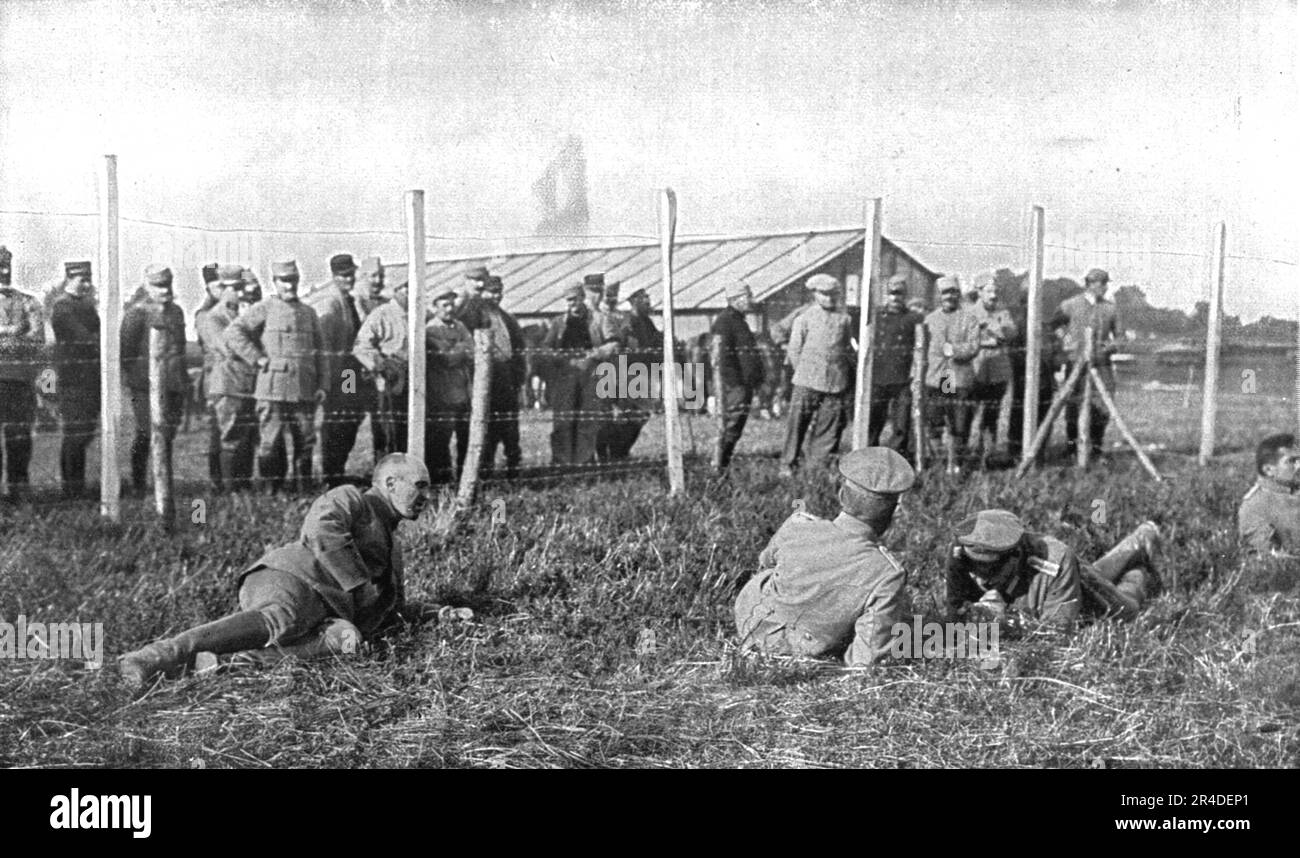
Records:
x=994, y=563
x=321, y=595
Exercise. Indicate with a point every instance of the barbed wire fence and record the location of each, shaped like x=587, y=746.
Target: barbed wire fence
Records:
x=1160, y=376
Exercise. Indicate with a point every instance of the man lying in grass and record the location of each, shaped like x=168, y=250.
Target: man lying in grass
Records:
x=341, y=581
x=1269, y=517
x=994, y=563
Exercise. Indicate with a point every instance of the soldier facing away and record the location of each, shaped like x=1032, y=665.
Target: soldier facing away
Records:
x=341, y=582
x=828, y=588
x=281, y=337
x=22, y=333
x=1269, y=517
x=76, y=361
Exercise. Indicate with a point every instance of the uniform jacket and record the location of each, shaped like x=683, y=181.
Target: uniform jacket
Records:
x=895, y=338
x=348, y=540
x=449, y=363
x=820, y=350
x=224, y=373
x=1269, y=518
x=742, y=365
x=76, y=343
x=1080, y=314
x=380, y=345
x=568, y=338
x=996, y=329
x=288, y=335
x=137, y=319
x=335, y=312
x=1047, y=584
x=22, y=333
x=514, y=369
x=961, y=330
x=367, y=305
x=823, y=588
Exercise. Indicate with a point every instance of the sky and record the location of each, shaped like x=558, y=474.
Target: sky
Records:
x=1135, y=125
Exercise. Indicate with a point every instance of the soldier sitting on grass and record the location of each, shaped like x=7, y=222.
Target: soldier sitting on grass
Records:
x=318, y=596
x=1269, y=517
x=994, y=563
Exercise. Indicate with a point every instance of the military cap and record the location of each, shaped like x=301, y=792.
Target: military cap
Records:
x=1096, y=274
x=823, y=283
x=158, y=275
x=642, y=292
x=989, y=533
x=286, y=270
x=76, y=269
x=897, y=283
x=948, y=283
x=477, y=272
x=611, y=289
x=575, y=291
x=371, y=265
x=230, y=274
x=984, y=278
x=494, y=284
x=877, y=471
x=5, y=256
x=594, y=282
x=341, y=263
x=447, y=294
x=738, y=289
x=209, y=273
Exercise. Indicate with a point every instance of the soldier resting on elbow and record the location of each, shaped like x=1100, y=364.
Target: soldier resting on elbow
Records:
x=341, y=581
x=827, y=588
x=994, y=563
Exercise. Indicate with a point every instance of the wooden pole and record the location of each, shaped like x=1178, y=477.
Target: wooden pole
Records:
x=919, y=429
x=416, y=403
x=478, y=418
x=110, y=315
x=868, y=286
x=715, y=358
x=1004, y=418
x=160, y=437
x=1209, y=400
x=1120, y=424
x=1033, y=328
x=1083, y=425
x=1058, y=403
x=672, y=420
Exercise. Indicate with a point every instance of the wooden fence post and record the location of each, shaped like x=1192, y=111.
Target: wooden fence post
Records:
x=1083, y=424
x=715, y=359
x=672, y=420
x=478, y=417
x=160, y=435
x=1033, y=329
x=868, y=286
x=416, y=319
x=110, y=371
x=920, y=431
x=1209, y=400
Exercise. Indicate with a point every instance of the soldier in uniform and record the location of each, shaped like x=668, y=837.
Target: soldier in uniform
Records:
x=828, y=588
x=823, y=357
x=992, y=365
x=1269, y=517
x=282, y=338
x=158, y=310
x=949, y=372
x=740, y=366
x=994, y=563
x=891, y=394
x=76, y=362
x=509, y=372
x=228, y=385
x=380, y=347
x=645, y=347
x=371, y=275
x=469, y=303
x=611, y=326
x=449, y=364
x=1089, y=309
x=572, y=355
x=349, y=393
x=22, y=333
x=322, y=595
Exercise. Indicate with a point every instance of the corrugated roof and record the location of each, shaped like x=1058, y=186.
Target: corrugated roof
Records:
x=702, y=268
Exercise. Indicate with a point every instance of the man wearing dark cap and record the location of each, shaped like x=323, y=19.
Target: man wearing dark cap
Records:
x=824, y=361
x=571, y=357
x=281, y=337
x=380, y=347
x=891, y=395
x=76, y=361
x=1268, y=519
x=614, y=328
x=22, y=333
x=449, y=366
x=370, y=274
x=509, y=372
x=994, y=563
x=950, y=372
x=992, y=366
x=159, y=311
x=349, y=392
x=740, y=367
x=828, y=588
x=644, y=346
x=228, y=384
x=1090, y=310
x=469, y=304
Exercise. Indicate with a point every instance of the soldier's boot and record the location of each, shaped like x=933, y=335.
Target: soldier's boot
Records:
x=172, y=657
x=1136, y=551
x=333, y=637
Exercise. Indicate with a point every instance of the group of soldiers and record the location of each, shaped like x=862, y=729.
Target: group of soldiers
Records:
x=974, y=359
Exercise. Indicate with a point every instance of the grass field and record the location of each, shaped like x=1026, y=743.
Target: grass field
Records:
x=559, y=667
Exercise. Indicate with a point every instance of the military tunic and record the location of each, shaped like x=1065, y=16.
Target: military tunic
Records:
x=891, y=394
x=22, y=335
x=741, y=371
x=228, y=383
x=824, y=366
x=76, y=360
x=1269, y=518
x=449, y=363
x=137, y=322
x=1080, y=313
x=380, y=347
x=823, y=588
x=349, y=391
